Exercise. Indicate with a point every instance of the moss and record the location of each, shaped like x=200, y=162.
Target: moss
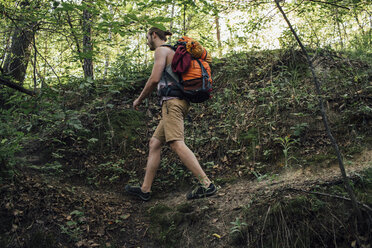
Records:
x=185, y=208
x=164, y=222
x=167, y=223
x=157, y=212
x=323, y=158
x=224, y=180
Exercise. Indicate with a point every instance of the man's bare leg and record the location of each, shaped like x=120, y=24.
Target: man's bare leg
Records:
x=190, y=161
x=152, y=165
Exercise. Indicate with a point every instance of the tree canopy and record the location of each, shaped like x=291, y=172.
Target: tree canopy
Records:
x=50, y=40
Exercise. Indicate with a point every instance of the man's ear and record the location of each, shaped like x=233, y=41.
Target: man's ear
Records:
x=154, y=35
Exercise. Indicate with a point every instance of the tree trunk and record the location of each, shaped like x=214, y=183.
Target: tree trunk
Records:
x=324, y=116
x=7, y=40
x=339, y=29
x=16, y=60
x=87, y=41
x=107, y=55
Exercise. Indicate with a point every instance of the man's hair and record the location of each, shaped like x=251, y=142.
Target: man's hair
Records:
x=161, y=33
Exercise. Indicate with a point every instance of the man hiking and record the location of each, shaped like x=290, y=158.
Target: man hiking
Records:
x=170, y=129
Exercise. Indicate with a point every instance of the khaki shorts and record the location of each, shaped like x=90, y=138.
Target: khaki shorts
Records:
x=171, y=126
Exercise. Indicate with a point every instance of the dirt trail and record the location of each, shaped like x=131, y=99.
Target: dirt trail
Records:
x=92, y=217
x=303, y=178
x=232, y=198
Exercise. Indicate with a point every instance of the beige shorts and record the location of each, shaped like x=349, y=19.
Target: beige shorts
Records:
x=171, y=125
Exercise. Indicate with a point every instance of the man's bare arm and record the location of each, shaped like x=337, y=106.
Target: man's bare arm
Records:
x=160, y=59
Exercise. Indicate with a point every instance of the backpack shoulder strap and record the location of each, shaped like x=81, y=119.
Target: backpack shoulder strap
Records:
x=170, y=46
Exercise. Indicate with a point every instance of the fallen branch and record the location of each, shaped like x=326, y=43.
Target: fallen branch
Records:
x=332, y=196
x=16, y=87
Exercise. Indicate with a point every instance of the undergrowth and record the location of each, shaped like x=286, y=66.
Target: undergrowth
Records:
x=89, y=131
x=298, y=219
x=263, y=118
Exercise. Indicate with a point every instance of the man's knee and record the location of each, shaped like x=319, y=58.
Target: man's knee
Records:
x=176, y=145
x=154, y=144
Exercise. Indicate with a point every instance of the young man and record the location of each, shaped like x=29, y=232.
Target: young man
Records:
x=171, y=127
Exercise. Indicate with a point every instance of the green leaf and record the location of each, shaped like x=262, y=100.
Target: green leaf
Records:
x=71, y=223
x=133, y=17
x=157, y=25
x=92, y=140
x=77, y=213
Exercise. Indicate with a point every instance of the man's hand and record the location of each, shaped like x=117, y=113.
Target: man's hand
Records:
x=136, y=103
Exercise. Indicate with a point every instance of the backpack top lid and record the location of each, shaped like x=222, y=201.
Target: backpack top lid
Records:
x=195, y=48
x=181, y=60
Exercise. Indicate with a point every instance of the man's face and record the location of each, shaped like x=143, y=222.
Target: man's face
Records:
x=150, y=42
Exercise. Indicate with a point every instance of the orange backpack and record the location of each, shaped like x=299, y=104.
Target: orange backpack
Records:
x=195, y=75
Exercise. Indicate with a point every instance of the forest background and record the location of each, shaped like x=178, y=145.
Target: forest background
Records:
x=71, y=69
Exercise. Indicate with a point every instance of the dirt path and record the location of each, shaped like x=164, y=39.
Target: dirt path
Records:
x=237, y=192
x=218, y=211
x=92, y=218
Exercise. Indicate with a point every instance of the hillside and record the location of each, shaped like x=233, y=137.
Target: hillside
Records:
x=260, y=138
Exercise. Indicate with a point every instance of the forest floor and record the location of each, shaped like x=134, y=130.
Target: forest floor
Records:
x=109, y=218
x=67, y=190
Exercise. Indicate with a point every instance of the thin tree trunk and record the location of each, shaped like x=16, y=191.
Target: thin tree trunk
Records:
x=345, y=31
x=7, y=43
x=171, y=23
x=324, y=116
x=184, y=19
x=370, y=29
x=217, y=19
x=358, y=22
x=339, y=29
x=45, y=52
x=35, y=57
x=87, y=41
x=74, y=35
x=107, y=55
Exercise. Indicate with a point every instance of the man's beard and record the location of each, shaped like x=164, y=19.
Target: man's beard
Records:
x=152, y=45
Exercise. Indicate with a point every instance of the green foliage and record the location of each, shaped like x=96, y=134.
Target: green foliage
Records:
x=238, y=232
x=86, y=129
x=108, y=173
x=72, y=226
x=11, y=137
x=10, y=142
x=287, y=144
x=238, y=226
x=303, y=220
x=163, y=225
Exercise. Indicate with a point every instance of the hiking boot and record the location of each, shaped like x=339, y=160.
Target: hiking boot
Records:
x=201, y=191
x=136, y=191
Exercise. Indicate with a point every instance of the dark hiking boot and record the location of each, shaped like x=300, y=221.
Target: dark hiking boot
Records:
x=201, y=191
x=136, y=191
